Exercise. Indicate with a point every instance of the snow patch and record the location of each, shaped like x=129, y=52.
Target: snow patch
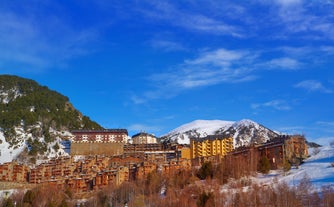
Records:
x=197, y=128
x=208, y=126
x=7, y=153
x=4, y=95
x=244, y=131
x=318, y=168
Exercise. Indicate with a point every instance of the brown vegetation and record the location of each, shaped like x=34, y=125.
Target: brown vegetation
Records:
x=182, y=189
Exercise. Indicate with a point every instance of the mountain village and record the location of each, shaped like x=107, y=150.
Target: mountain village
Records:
x=52, y=155
x=99, y=158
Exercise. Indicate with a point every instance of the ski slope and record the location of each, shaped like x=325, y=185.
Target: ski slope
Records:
x=319, y=168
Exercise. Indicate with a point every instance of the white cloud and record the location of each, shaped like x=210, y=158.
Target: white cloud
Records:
x=325, y=123
x=313, y=86
x=31, y=43
x=220, y=57
x=137, y=100
x=212, y=67
x=284, y=63
x=207, y=24
x=291, y=129
x=209, y=68
x=328, y=50
x=297, y=19
x=288, y=2
x=276, y=104
x=324, y=141
x=189, y=19
x=143, y=128
x=167, y=45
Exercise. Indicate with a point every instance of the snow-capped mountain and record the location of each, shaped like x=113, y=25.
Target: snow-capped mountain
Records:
x=244, y=132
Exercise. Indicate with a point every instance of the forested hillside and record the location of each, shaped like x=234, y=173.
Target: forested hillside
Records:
x=36, y=110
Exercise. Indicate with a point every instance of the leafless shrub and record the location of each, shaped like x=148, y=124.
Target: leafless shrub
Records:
x=327, y=195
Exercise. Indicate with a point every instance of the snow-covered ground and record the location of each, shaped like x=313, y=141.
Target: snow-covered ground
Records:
x=318, y=168
x=244, y=132
x=7, y=153
x=203, y=126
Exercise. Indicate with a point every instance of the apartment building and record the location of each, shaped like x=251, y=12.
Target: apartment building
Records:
x=100, y=136
x=144, y=138
x=210, y=146
x=98, y=142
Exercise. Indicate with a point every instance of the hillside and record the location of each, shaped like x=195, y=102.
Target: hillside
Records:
x=244, y=132
x=318, y=168
x=35, y=116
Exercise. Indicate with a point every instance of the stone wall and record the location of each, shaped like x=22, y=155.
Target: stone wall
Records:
x=96, y=148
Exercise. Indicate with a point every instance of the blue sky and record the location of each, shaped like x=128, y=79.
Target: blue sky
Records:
x=155, y=65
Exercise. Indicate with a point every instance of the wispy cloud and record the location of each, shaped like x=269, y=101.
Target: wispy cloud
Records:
x=325, y=141
x=213, y=67
x=288, y=2
x=284, y=63
x=292, y=129
x=325, y=126
x=167, y=45
x=325, y=123
x=209, y=68
x=278, y=19
x=298, y=17
x=220, y=57
x=300, y=57
x=34, y=44
x=313, y=86
x=144, y=128
x=137, y=99
x=170, y=12
x=275, y=104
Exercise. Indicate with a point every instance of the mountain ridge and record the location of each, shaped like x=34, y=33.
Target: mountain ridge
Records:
x=245, y=132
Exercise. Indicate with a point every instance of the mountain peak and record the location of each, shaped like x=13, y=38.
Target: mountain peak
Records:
x=244, y=132
x=246, y=122
x=209, y=126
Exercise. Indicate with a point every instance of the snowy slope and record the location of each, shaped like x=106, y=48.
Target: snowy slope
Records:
x=197, y=128
x=244, y=131
x=318, y=168
x=8, y=153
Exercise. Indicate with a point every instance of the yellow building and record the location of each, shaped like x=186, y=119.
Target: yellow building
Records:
x=185, y=153
x=210, y=146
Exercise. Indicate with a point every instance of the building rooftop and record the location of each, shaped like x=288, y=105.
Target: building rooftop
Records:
x=143, y=134
x=210, y=137
x=100, y=130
